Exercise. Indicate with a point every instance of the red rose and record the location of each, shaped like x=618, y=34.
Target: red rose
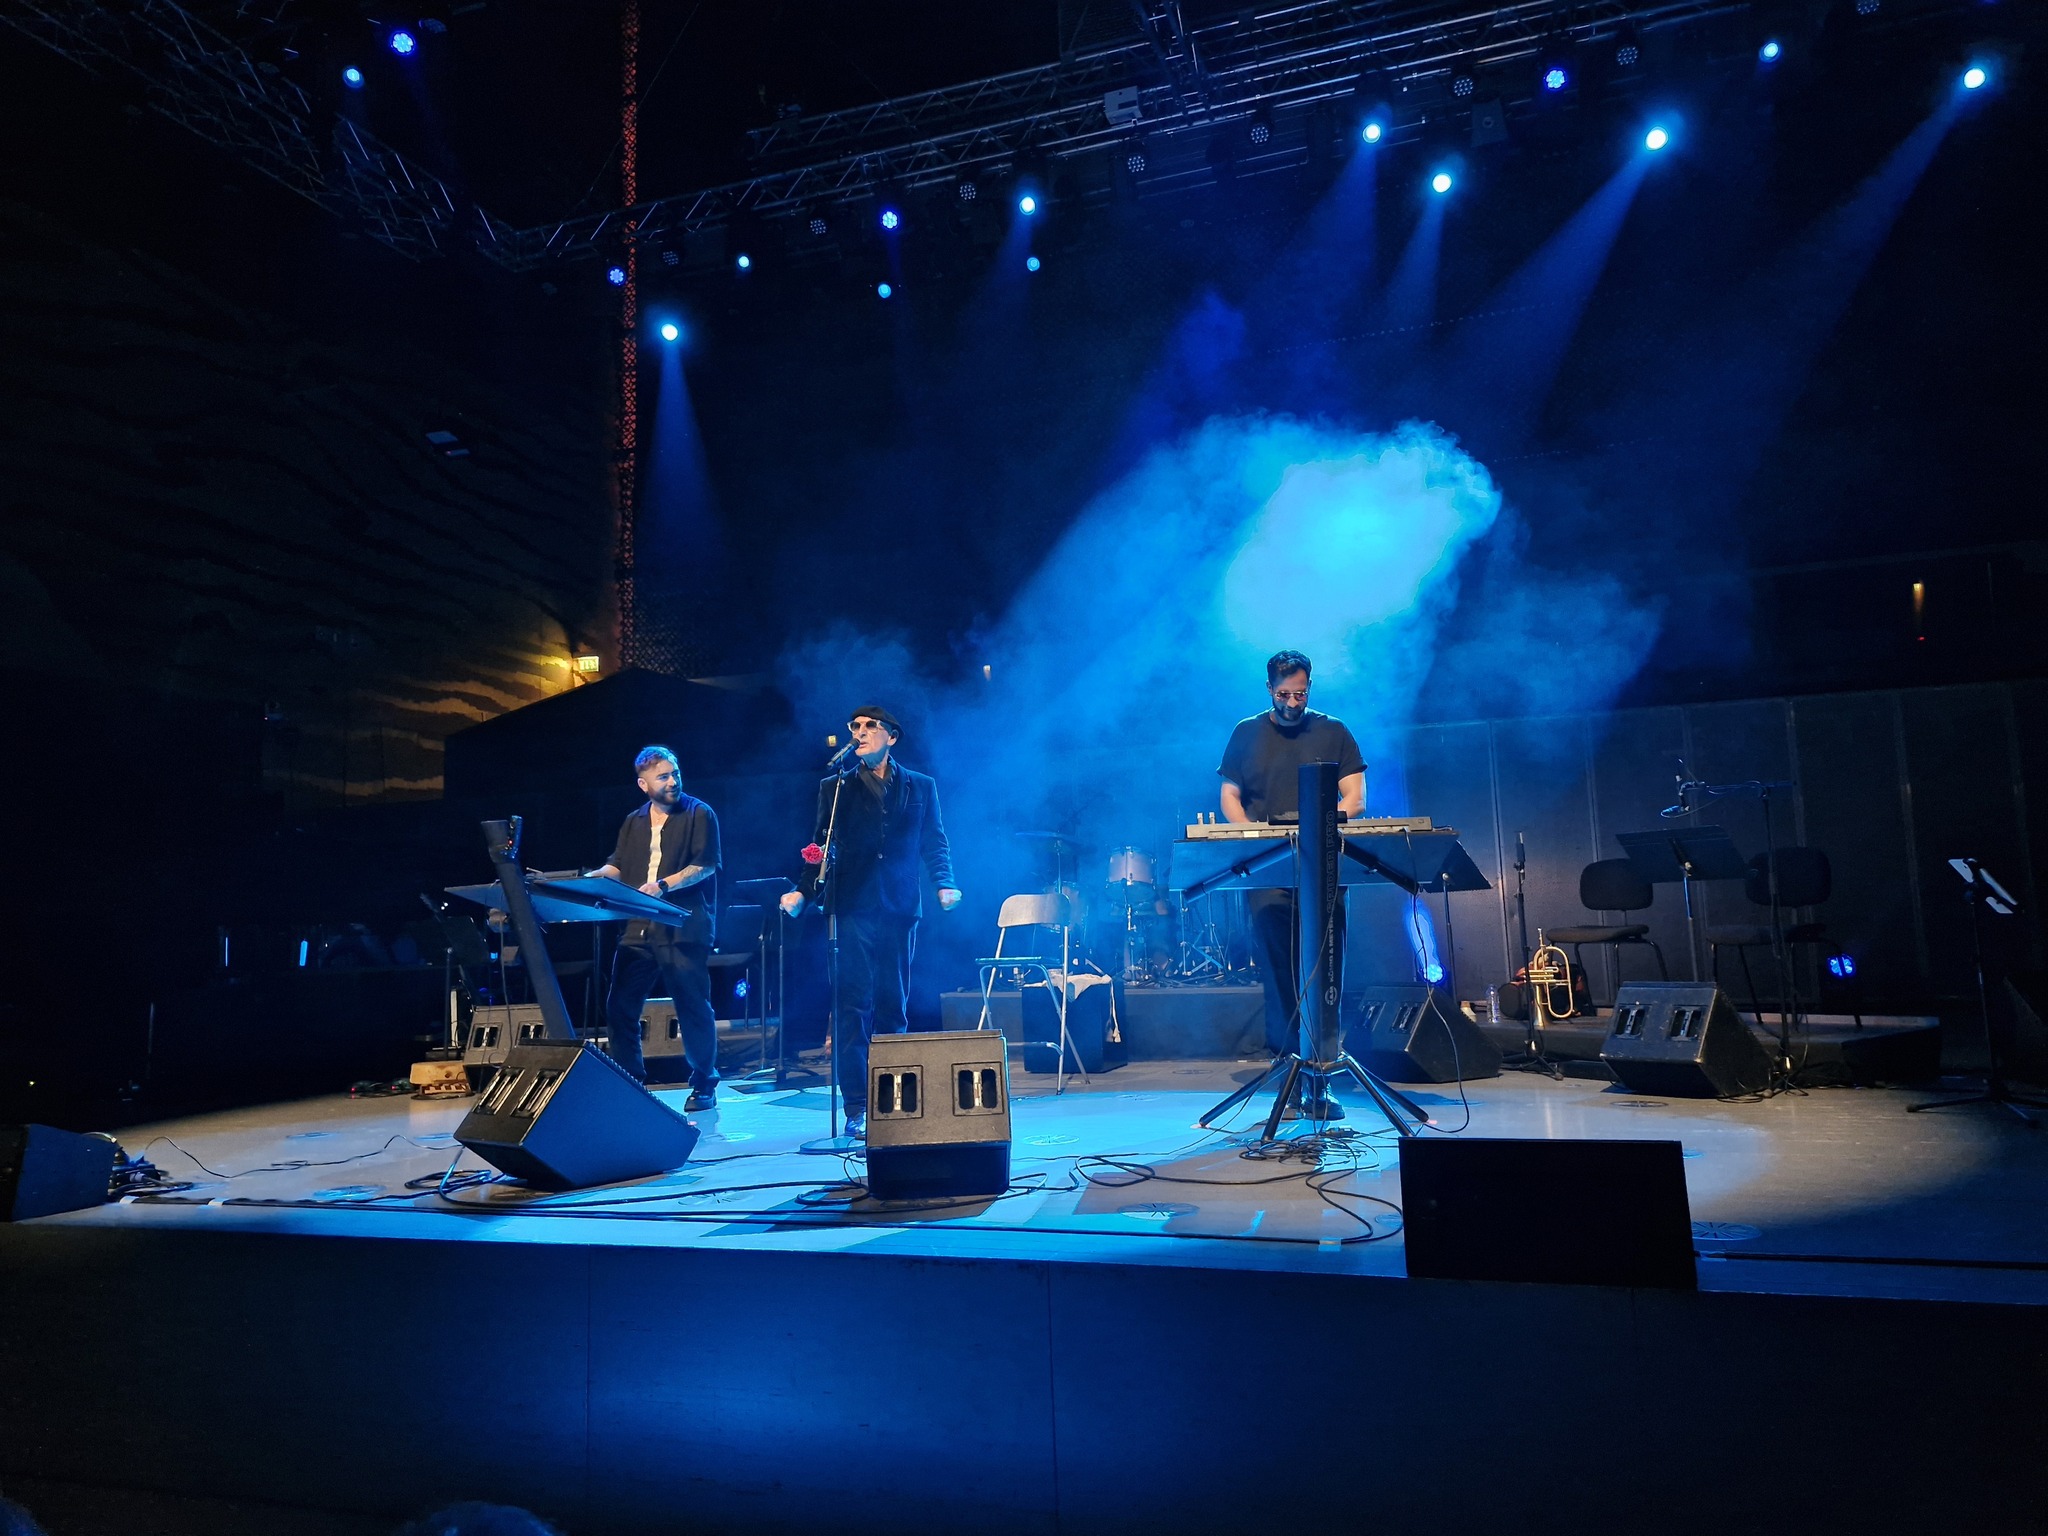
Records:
x=813, y=854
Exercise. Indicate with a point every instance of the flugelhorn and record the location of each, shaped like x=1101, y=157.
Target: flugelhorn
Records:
x=1550, y=982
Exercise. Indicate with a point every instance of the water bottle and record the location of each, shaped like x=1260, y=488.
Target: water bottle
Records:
x=1492, y=1003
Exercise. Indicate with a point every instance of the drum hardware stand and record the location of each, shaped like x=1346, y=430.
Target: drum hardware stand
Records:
x=1318, y=1055
x=1980, y=890
x=1204, y=955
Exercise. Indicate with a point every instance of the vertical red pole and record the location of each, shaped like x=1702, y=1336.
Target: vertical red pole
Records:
x=626, y=488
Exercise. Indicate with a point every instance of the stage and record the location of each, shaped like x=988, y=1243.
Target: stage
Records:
x=741, y=1345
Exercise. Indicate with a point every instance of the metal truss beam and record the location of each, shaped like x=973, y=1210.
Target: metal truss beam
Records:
x=200, y=77
x=1187, y=79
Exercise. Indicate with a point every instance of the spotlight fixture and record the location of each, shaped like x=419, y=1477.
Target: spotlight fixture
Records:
x=1866, y=7
x=1769, y=52
x=1031, y=263
x=883, y=291
x=891, y=218
x=1841, y=965
x=968, y=191
x=1656, y=138
x=1462, y=86
x=1432, y=973
x=1134, y=162
x=1372, y=132
x=818, y=225
x=744, y=262
x=352, y=78
x=616, y=276
x=1440, y=183
x=1556, y=78
x=670, y=331
x=1974, y=77
x=1027, y=204
x=1260, y=130
x=403, y=43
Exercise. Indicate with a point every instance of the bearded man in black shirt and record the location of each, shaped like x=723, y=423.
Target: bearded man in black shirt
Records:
x=1261, y=782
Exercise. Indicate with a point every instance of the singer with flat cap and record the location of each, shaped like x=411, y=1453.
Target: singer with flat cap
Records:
x=885, y=835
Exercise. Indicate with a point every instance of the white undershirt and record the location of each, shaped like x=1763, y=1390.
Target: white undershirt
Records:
x=654, y=850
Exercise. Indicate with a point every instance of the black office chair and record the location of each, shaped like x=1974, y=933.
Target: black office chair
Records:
x=1805, y=879
x=1611, y=885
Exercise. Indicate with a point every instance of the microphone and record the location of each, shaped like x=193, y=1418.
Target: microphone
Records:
x=841, y=755
x=1521, y=853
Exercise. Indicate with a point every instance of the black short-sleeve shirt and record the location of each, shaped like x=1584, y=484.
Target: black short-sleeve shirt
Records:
x=1264, y=757
x=690, y=836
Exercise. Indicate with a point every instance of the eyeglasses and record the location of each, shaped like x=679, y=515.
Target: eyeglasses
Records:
x=856, y=726
x=1292, y=695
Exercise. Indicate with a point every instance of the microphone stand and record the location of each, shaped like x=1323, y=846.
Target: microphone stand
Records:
x=828, y=897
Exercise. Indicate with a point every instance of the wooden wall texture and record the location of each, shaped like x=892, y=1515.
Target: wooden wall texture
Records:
x=196, y=502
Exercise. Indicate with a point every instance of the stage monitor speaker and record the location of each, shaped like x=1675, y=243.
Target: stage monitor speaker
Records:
x=564, y=1116
x=1683, y=1039
x=938, y=1115
x=1417, y=1035
x=495, y=1029
x=1556, y=1212
x=1087, y=1026
x=44, y=1170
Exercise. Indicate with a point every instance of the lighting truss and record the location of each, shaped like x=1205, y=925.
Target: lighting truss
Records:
x=1187, y=79
x=201, y=76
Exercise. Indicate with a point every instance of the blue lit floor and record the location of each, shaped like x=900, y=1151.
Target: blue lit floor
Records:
x=1833, y=1192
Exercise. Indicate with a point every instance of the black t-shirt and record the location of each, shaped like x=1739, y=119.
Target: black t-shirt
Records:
x=688, y=836
x=1264, y=757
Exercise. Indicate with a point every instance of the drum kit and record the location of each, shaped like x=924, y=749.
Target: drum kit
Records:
x=1141, y=931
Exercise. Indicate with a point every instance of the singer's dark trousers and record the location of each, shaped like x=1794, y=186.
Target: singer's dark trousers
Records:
x=1276, y=926
x=874, y=988
x=684, y=974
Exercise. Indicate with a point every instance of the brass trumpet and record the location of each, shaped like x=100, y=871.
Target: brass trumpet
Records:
x=1550, y=983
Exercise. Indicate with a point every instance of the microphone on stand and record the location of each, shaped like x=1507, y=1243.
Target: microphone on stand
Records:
x=1684, y=806
x=840, y=756
x=1521, y=853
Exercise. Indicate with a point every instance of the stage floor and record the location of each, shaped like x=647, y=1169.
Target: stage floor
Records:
x=1830, y=1192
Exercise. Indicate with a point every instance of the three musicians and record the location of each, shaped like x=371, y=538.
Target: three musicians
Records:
x=881, y=822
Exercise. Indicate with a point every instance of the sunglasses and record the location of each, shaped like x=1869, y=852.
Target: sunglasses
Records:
x=853, y=726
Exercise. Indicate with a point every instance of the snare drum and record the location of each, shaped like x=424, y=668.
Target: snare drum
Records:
x=1130, y=877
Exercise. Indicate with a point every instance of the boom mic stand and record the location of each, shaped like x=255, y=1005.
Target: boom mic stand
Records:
x=828, y=897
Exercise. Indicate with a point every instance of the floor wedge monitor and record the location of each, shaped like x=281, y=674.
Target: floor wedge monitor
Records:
x=1417, y=1035
x=44, y=1170
x=1552, y=1211
x=564, y=1116
x=938, y=1115
x=1685, y=1040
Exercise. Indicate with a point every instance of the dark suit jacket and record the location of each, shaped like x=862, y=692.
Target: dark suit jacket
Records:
x=886, y=841
x=690, y=836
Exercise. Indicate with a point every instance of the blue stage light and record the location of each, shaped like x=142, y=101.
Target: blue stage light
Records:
x=739, y=988
x=1432, y=973
x=1769, y=52
x=1555, y=79
x=890, y=219
x=1974, y=77
x=1440, y=183
x=616, y=276
x=883, y=290
x=1656, y=138
x=352, y=78
x=1372, y=132
x=670, y=331
x=403, y=43
x=1030, y=263
x=1027, y=204
x=1841, y=965
x=744, y=262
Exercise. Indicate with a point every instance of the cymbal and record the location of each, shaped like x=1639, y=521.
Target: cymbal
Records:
x=1046, y=837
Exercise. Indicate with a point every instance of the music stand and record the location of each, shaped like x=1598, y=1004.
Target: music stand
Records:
x=1686, y=855
x=1982, y=891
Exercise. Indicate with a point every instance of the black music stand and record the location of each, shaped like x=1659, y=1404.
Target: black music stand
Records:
x=1982, y=891
x=1685, y=855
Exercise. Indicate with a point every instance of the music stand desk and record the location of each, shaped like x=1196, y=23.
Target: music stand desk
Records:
x=1686, y=855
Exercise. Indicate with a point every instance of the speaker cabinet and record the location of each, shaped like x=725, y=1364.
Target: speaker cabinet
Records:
x=1684, y=1040
x=938, y=1115
x=564, y=1116
x=44, y=1170
x=1416, y=1035
x=1558, y=1212
x=661, y=1042
x=495, y=1030
x=1087, y=1026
